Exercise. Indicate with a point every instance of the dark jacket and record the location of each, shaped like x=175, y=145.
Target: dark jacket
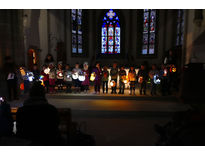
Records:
x=38, y=122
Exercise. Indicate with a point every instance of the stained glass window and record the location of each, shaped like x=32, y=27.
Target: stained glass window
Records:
x=77, y=31
x=180, y=27
x=149, y=31
x=110, y=36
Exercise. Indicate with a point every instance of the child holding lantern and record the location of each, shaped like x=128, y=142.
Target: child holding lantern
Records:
x=105, y=76
x=59, y=75
x=122, y=78
x=68, y=78
x=98, y=72
x=132, y=79
x=52, y=78
x=142, y=79
x=45, y=75
x=75, y=74
x=86, y=82
x=114, y=74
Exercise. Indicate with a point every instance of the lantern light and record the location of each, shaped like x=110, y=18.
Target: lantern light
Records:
x=23, y=73
x=156, y=79
x=30, y=76
x=22, y=86
x=75, y=76
x=81, y=77
x=60, y=74
x=112, y=83
x=47, y=70
x=140, y=79
x=92, y=76
x=41, y=80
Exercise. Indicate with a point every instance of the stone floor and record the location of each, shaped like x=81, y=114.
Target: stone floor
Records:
x=117, y=119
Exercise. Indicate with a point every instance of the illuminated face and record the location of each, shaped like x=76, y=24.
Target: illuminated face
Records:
x=114, y=65
x=85, y=66
x=67, y=67
x=98, y=65
x=142, y=67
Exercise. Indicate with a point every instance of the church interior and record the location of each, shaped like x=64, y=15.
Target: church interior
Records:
x=101, y=102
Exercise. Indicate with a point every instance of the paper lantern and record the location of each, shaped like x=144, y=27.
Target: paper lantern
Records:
x=125, y=79
x=156, y=79
x=112, y=83
x=41, y=80
x=22, y=71
x=47, y=70
x=92, y=76
x=22, y=86
x=60, y=74
x=165, y=72
x=30, y=76
x=75, y=76
x=81, y=77
x=41, y=77
x=173, y=69
x=140, y=79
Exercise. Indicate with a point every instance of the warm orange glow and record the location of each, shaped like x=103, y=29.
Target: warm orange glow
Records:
x=23, y=73
x=22, y=86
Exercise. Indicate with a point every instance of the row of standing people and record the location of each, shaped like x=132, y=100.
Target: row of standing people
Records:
x=66, y=77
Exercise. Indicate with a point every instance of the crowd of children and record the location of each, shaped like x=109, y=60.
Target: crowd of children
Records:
x=78, y=79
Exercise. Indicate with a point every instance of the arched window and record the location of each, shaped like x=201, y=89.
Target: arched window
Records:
x=180, y=28
x=110, y=37
x=149, y=32
x=77, y=31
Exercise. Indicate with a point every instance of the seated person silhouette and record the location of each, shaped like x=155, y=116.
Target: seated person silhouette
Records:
x=37, y=120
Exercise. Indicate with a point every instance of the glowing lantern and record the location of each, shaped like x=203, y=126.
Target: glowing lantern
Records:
x=41, y=79
x=125, y=79
x=30, y=76
x=47, y=70
x=60, y=74
x=112, y=83
x=82, y=77
x=22, y=86
x=92, y=76
x=156, y=79
x=165, y=72
x=75, y=76
x=140, y=79
x=173, y=69
x=149, y=81
x=23, y=73
x=68, y=76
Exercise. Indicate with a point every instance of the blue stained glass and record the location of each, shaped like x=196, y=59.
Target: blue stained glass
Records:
x=110, y=49
x=117, y=41
x=104, y=42
x=111, y=14
x=104, y=31
x=151, y=49
x=80, y=12
x=110, y=32
x=110, y=42
x=144, y=50
x=73, y=11
x=76, y=15
x=149, y=27
x=117, y=31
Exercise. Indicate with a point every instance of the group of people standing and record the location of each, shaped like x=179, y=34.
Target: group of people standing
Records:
x=79, y=79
